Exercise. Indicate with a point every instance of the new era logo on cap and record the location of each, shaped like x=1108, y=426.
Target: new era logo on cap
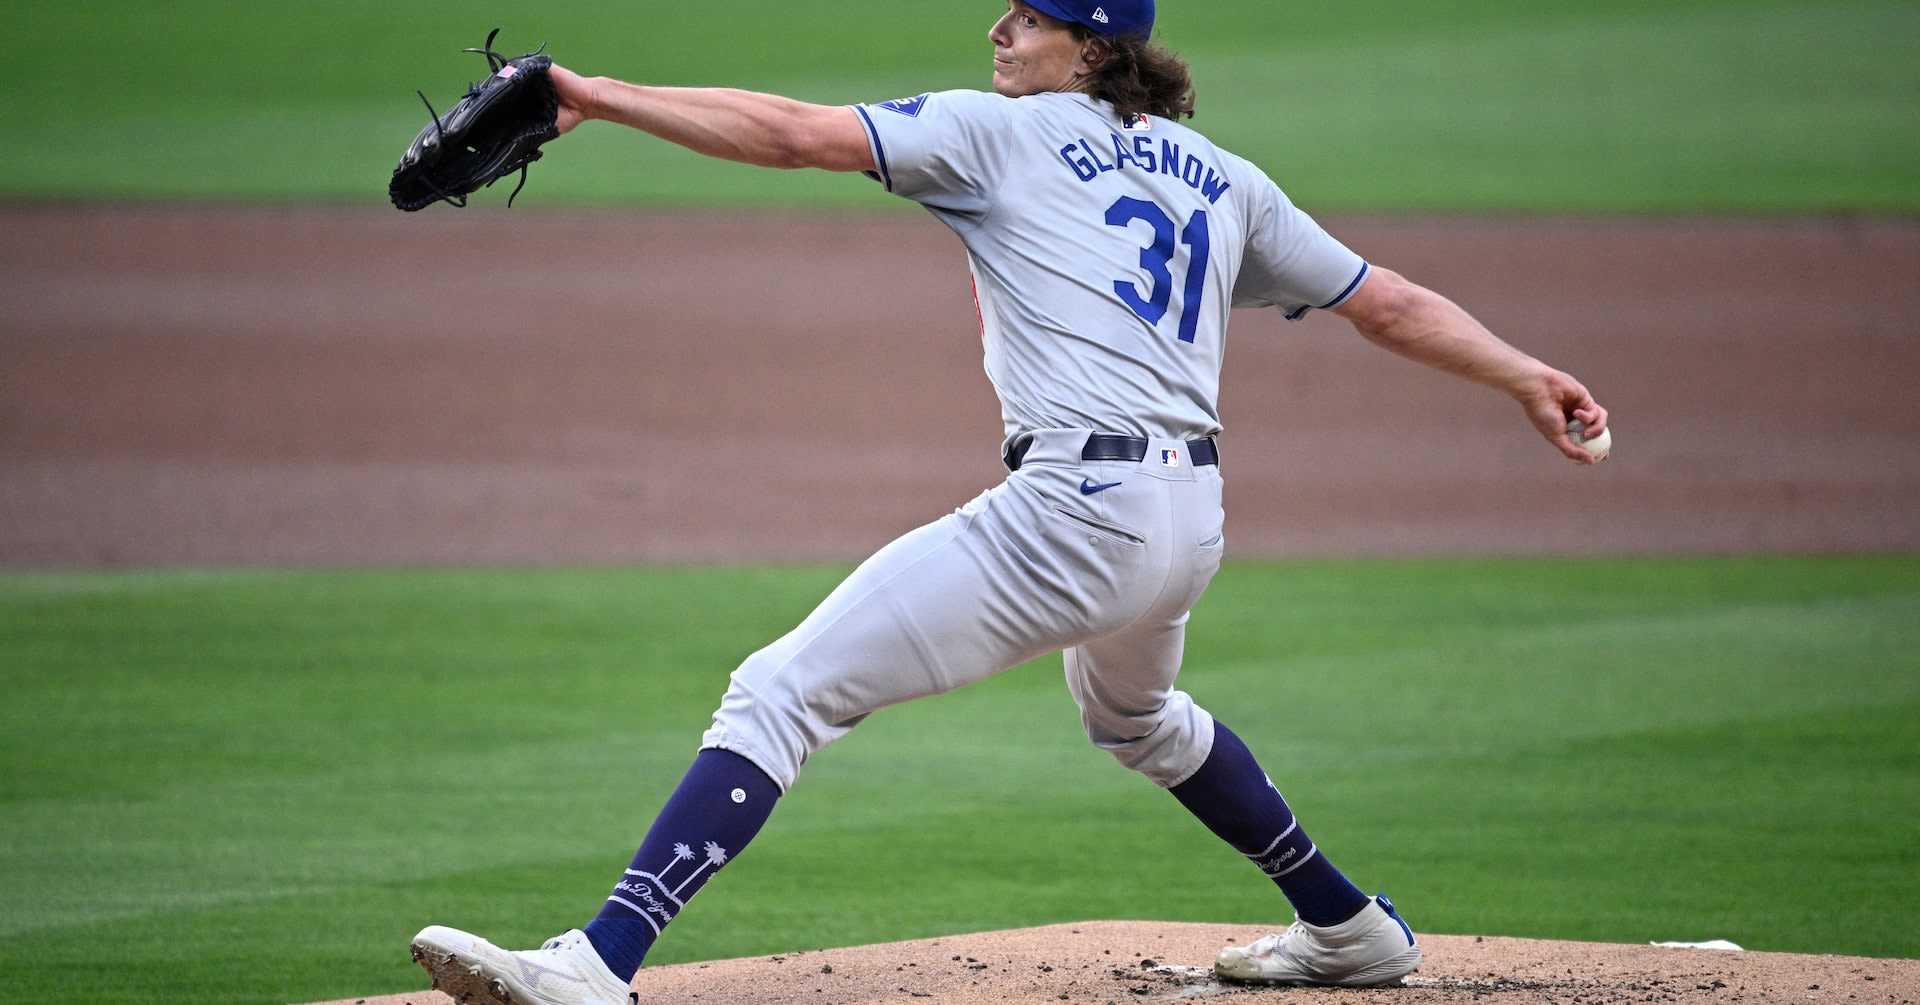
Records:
x=1108, y=17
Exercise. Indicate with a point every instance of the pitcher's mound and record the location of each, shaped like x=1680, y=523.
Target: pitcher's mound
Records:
x=1150, y=961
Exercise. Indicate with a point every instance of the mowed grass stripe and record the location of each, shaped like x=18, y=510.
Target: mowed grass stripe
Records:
x=1392, y=105
x=1618, y=750
x=1737, y=107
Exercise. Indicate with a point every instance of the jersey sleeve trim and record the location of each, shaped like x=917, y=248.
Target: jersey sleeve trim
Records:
x=1336, y=301
x=883, y=176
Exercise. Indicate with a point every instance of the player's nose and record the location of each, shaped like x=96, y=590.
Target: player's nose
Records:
x=998, y=33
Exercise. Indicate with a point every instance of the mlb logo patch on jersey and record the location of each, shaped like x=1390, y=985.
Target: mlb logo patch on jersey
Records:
x=1170, y=457
x=909, y=107
x=1137, y=123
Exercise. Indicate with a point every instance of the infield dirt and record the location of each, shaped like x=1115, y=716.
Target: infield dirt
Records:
x=203, y=386
x=225, y=386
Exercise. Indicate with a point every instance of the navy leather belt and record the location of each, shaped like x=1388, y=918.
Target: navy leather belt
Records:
x=1114, y=447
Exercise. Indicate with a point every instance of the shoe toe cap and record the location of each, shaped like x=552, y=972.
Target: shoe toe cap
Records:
x=451, y=940
x=1238, y=962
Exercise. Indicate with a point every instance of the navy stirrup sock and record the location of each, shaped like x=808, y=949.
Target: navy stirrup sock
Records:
x=719, y=806
x=1237, y=802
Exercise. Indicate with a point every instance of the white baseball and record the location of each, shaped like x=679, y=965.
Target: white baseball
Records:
x=1600, y=446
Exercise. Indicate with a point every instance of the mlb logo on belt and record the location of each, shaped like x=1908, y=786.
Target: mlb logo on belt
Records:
x=1170, y=457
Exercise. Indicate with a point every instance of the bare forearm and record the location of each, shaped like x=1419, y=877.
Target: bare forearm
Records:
x=1426, y=327
x=1435, y=331
x=1413, y=321
x=746, y=126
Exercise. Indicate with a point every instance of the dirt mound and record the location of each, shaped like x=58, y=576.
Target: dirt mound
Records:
x=1146, y=961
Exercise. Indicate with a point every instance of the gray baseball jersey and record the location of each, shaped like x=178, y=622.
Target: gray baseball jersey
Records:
x=1105, y=261
x=1105, y=257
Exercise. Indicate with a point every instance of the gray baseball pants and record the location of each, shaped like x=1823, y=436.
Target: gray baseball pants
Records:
x=1100, y=560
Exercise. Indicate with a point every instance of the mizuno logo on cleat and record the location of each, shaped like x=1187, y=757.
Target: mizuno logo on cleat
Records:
x=1087, y=487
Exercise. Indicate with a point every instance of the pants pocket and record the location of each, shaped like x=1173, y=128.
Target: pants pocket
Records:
x=1104, y=529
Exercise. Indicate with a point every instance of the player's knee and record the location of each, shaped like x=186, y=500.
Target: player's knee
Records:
x=1167, y=746
x=775, y=719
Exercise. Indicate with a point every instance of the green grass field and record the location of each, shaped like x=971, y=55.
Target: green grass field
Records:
x=205, y=771
x=1547, y=105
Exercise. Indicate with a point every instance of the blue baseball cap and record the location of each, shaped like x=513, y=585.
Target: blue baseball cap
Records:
x=1103, y=17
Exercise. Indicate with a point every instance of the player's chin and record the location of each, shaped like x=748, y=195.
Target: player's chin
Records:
x=1004, y=83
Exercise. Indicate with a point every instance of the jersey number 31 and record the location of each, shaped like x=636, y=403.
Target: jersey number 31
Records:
x=1157, y=259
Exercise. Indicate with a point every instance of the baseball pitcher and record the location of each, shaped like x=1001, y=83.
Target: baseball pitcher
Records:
x=1108, y=244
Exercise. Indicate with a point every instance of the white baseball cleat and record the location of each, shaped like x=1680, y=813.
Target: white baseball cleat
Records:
x=473, y=971
x=1372, y=948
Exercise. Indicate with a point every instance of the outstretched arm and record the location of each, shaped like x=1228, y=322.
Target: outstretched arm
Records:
x=745, y=126
x=1423, y=326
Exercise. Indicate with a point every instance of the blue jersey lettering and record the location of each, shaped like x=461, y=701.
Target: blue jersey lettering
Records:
x=1138, y=153
x=1192, y=171
x=1102, y=165
x=1143, y=152
x=1169, y=157
x=1214, y=187
x=1081, y=166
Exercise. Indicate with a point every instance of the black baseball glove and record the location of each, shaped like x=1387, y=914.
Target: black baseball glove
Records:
x=496, y=129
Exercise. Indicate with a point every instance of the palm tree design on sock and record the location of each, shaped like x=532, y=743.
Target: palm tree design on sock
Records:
x=716, y=857
x=681, y=853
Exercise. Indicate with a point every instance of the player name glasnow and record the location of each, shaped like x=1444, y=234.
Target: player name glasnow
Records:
x=1144, y=153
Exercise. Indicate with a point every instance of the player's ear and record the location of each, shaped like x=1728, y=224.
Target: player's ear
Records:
x=1094, y=53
